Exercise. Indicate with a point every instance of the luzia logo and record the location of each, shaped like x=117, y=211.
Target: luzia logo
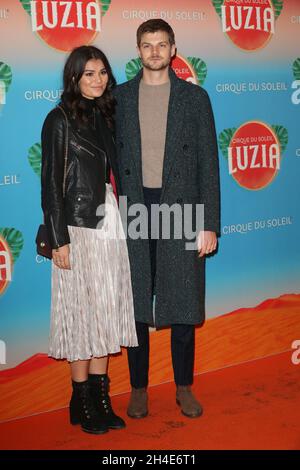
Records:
x=249, y=24
x=253, y=152
x=11, y=244
x=64, y=25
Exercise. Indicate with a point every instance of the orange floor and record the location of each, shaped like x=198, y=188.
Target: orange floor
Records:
x=40, y=384
x=255, y=405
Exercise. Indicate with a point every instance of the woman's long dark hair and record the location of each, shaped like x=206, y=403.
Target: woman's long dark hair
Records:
x=73, y=71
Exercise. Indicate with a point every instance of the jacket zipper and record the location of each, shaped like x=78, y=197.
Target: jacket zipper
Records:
x=95, y=146
x=91, y=143
x=69, y=168
x=80, y=147
x=98, y=148
x=53, y=230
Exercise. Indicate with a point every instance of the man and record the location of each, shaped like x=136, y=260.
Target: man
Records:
x=167, y=154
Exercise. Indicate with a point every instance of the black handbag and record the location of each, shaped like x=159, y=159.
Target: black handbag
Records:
x=43, y=246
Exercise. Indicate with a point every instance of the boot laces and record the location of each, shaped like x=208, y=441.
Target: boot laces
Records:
x=88, y=405
x=105, y=400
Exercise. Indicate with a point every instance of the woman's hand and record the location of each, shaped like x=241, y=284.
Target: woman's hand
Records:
x=60, y=257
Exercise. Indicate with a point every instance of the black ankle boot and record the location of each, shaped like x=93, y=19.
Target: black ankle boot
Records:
x=83, y=410
x=99, y=387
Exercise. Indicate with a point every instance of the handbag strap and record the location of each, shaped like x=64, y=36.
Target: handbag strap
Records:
x=66, y=150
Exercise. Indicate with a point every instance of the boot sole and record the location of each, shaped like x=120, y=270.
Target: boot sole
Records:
x=94, y=432
x=117, y=427
x=74, y=422
x=77, y=423
x=187, y=415
x=138, y=416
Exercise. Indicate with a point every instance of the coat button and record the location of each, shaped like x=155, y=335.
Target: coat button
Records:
x=179, y=200
x=121, y=145
x=79, y=199
x=127, y=172
x=185, y=147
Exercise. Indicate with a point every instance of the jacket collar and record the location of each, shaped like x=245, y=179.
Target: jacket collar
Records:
x=135, y=82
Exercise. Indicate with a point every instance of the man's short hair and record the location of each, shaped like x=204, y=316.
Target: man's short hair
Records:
x=152, y=26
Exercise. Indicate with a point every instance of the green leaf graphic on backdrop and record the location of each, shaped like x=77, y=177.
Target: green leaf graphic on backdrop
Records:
x=14, y=240
x=296, y=69
x=200, y=68
x=278, y=5
x=105, y=4
x=133, y=67
x=225, y=139
x=26, y=5
x=5, y=75
x=217, y=4
x=282, y=135
x=35, y=158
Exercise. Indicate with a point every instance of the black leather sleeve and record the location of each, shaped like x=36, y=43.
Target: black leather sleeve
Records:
x=53, y=155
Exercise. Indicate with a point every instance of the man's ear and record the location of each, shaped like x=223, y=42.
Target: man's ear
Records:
x=138, y=51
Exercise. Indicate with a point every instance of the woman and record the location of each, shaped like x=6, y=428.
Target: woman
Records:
x=91, y=307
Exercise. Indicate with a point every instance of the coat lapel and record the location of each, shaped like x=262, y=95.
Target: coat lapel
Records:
x=174, y=125
x=133, y=124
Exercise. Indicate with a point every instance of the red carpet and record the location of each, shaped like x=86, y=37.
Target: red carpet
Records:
x=41, y=384
x=255, y=405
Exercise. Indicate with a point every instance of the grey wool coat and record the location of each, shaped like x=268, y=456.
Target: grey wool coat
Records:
x=190, y=176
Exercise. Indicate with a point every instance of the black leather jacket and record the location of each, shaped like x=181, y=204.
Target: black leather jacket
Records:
x=86, y=173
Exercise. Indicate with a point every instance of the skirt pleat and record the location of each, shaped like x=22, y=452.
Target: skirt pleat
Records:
x=92, y=304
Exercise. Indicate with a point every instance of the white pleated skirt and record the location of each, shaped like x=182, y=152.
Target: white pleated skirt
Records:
x=92, y=305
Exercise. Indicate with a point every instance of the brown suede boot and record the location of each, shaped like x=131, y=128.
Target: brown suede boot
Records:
x=190, y=407
x=138, y=403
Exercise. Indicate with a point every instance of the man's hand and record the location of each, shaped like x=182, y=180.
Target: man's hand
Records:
x=207, y=242
x=60, y=257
